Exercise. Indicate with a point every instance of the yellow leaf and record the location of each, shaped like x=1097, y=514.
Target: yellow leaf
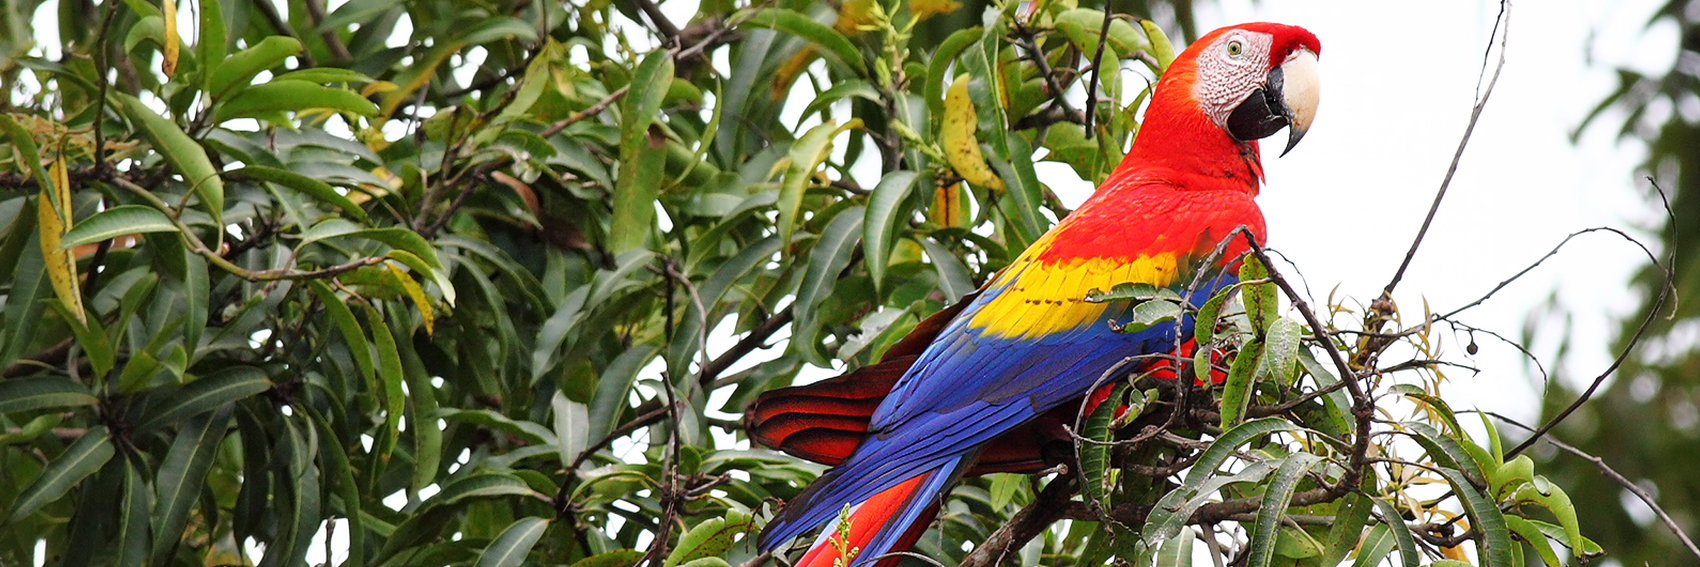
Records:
x=416, y=293
x=956, y=134
x=169, y=64
x=922, y=9
x=853, y=14
x=53, y=209
x=788, y=71
x=950, y=206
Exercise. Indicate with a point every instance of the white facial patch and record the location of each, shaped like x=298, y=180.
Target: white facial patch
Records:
x=1229, y=70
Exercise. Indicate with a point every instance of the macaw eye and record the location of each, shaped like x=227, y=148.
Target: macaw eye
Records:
x=1235, y=48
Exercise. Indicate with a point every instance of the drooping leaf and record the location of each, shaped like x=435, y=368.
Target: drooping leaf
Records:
x=81, y=459
x=511, y=547
x=181, y=476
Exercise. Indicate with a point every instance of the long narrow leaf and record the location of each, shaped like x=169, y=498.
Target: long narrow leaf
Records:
x=80, y=460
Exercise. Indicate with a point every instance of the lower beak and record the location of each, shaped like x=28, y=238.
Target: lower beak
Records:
x=1286, y=100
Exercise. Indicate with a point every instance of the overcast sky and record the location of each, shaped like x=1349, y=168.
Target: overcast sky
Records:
x=1399, y=80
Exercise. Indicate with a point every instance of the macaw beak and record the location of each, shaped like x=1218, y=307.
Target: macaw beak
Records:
x=1261, y=115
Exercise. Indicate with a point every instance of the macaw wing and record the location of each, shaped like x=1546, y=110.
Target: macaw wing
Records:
x=1029, y=343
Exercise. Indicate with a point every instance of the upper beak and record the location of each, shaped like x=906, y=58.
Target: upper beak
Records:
x=1261, y=115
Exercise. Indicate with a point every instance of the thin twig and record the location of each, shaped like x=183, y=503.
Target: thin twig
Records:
x=1504, y=21
x=1666, y=291
x=333, y=43
x=669, y=32
x=1024, y=37
x=1097, y=60
x=593, y=110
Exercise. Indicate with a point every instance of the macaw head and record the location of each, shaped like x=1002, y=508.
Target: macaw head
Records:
x=1230, y=88
x=1252, y=80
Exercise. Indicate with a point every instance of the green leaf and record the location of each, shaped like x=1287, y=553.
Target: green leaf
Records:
x=1542, y=492
x=1395, y=524
x=834, y=46
x=1375, y=547
x=26, y=394
x=210, y=45
x=90, y=337
x=1160, y=46
x=844, y=89
x=1281, y=350
x=953, y=276
x=1260, y=299
x=306, y=185
x=1351, y=515
x=239, y=69
x=1445, y=451
x=181, y=476
x=29, y=158
x=226, y=385
x=614, y=386
x=1149, y=314
x=41, y=424
x=1004, y=488
x=325, y=75
x=477, y=486
x=806, y=155
x=829, y=256
x=80, y=460
x=572, y=427
x=1086, y=23
x=1204, y=328
x=1587, y=549
x=197, y=289
x=1242, y=377
x=1176, y=552
x=423, y=268
x=616, y=558
x=30, y=291
x=531, y=432
x=422, y=414
x=687, y=338
x=115, y=222
x=358, y=347
x=1276, y=497
x=510, y=548
x=133, y=536
x=1021, y=187
x=1171, y=513
x=1495, y=544
x=1229, y=441
x=184, y=155
x=641, y=158
x=276, y=96
x=1536, y=540
x=711, y=538
x=880, y=224
x=1096, y=434
x=390, y=375
x=1139, y=292
x=402, y=239
x=939, y=65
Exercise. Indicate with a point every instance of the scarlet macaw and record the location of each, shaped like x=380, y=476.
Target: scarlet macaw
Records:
x=1008, y=362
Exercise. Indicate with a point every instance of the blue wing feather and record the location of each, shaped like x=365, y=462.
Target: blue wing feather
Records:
x=965, y=389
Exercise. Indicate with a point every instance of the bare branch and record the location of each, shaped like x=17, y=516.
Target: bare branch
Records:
x=1503, y=28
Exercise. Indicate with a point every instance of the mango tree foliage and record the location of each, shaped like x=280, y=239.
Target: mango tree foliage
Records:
x=488, y=283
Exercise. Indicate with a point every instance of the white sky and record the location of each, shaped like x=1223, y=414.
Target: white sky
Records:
x=1398, y=84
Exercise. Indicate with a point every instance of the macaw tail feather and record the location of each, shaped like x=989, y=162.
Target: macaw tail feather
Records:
x=890, y=520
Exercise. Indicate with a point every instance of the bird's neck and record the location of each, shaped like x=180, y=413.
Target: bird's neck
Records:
x=1178, y=144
